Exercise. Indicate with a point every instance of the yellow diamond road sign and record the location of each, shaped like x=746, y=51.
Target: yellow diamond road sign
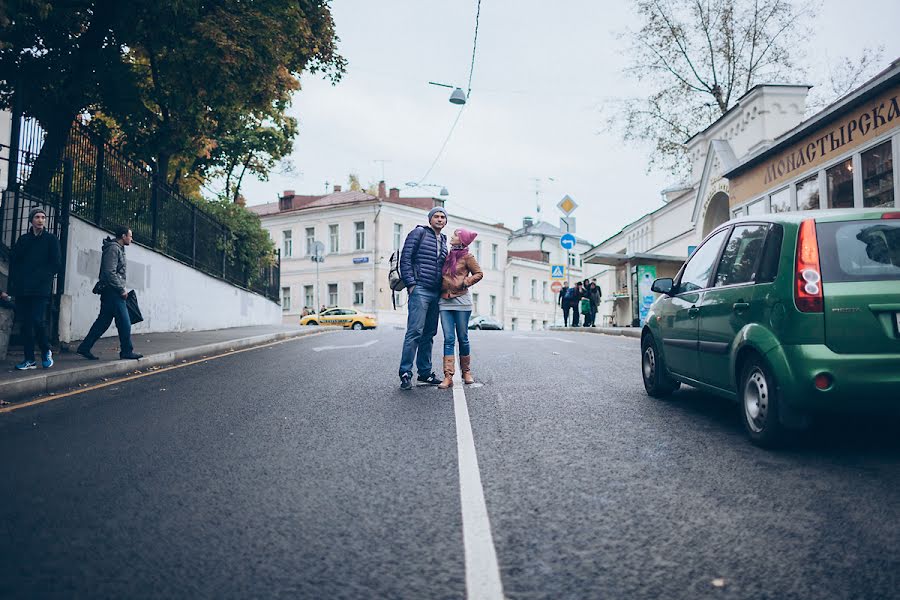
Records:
x=567, y=205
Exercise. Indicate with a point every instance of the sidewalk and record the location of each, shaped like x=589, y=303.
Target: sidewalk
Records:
x=634, y=332
x=159, y=349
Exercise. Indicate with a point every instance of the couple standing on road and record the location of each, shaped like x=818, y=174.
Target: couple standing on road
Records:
x=438, y=281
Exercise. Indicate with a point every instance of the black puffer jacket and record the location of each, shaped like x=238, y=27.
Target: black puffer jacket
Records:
x=34, y=262
x=423, y=258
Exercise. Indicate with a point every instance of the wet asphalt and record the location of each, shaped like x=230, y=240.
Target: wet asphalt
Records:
x=290, y=472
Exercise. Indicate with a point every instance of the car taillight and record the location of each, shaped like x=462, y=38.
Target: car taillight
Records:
x=808, y=286
x=891, y=215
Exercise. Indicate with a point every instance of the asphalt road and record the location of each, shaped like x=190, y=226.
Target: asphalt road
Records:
x=292, y=472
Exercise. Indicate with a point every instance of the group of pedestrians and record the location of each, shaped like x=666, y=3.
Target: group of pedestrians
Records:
x=35, y=260
x=582, y=300
x=437, y=274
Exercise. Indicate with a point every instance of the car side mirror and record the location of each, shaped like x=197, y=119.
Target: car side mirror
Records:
x=664, y=285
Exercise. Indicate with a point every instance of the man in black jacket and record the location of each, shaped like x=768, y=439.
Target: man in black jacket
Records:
x=35, y=260
x=421, y=262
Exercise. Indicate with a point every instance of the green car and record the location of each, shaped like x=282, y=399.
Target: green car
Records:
x=788, y=314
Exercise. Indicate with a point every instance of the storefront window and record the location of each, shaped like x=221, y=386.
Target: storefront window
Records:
x=840, y=185
x=780, y=201
x=878, y=176
x=756, y=208
x=808, y=194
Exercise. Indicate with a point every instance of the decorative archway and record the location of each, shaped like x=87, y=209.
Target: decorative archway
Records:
x=717, y=212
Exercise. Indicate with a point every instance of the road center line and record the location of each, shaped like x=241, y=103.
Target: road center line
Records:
x=320, y=348
x=482, y=570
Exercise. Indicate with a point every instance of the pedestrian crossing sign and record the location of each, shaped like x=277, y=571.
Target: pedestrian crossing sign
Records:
x=557, y=271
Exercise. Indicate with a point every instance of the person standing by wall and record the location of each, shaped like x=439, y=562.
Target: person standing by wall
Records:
x=421, y=263
x=112, y=298
x=564, y=303
x=594, y=295
x=34, y=260
x=461, y=271
x=576, y=293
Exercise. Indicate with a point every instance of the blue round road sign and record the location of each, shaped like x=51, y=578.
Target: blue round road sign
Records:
x=567, y=241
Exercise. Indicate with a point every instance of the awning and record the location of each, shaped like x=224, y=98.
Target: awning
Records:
x=616, y=259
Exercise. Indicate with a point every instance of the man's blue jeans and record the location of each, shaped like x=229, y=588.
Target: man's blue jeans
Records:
x=112, y=306
x=455, y=324
x=421, y=326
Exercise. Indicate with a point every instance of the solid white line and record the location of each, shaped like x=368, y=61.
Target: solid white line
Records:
x=482, y=570
x=320, y=348
x=541, y=338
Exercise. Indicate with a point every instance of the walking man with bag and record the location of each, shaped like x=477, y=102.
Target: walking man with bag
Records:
x=421, y=263
x=113, y=294
x=34, y=261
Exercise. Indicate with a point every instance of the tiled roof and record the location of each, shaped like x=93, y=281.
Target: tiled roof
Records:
x=338, y=199
x=538, y=255
x=544, y=228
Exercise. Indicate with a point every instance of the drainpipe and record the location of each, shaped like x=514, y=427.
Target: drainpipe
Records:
x=375, y=249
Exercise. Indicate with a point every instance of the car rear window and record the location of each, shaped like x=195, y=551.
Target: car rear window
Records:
x=860, y=250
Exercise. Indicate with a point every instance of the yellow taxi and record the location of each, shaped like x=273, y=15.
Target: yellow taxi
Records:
x=343, y=317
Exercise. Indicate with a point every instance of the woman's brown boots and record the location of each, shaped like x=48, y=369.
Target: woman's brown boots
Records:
x=449, y=370
x=464, y=363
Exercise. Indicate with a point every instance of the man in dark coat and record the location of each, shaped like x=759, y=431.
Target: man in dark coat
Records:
x=421, y=262
x=113, y=294
x=35, y=260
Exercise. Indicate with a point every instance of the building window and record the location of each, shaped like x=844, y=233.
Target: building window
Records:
x=358, y=297
x=808, y=194
x=544, y=325
x=544, y=291
x=573, y=260
x=756, y=208
x=493, y=307
x=360, y=235
x=534, y=325
x=334, y=239
x=878, y=176
x=477, y=252
x=515, y=287
x=288, y=250
x=332, y=294
x=310, y=240
x=474, y=304
x=309, y=297
x=398, y=235
x=285, y=298
x=534, y=289
x=840, y=185
x=780, y=201
x=495, y=251
x=515, y=324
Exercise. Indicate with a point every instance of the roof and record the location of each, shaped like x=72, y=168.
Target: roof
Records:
x=535, y=255
x=860, y=95
x=615, y=259
x=338, y=199
x=546, y=229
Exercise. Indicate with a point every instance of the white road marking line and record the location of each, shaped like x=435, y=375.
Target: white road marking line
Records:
x=482, y=570
x=320, y=348
x=541, y=338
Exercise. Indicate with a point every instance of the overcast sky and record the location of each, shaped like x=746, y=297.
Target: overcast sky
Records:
x=543, y=73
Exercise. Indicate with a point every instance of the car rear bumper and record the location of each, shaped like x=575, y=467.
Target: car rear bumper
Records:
x=859, y=382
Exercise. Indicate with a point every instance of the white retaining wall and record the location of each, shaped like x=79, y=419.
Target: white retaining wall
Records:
x=172, y=296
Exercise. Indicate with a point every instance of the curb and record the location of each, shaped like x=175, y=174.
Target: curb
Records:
x=53, y=381
x=633, y=332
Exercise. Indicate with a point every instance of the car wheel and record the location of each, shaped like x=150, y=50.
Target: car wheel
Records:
x=759, y=405
x=357, y=326
x=312, y=323
x=656, y=381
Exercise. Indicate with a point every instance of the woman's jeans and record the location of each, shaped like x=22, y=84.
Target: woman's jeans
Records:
x=112, y=307
x=455, y=323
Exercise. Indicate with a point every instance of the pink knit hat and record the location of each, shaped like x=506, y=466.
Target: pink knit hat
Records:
x=465, y=236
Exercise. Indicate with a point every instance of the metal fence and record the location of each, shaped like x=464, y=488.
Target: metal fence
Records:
x=108, y=189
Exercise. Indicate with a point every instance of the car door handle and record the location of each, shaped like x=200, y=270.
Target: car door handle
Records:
x=693, y=312
x=740, y=307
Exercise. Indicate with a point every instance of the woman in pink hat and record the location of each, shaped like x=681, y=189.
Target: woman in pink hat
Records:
x=461, y=271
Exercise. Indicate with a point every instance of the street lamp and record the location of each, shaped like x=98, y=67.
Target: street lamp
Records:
x=443, y=192
x=458, y=96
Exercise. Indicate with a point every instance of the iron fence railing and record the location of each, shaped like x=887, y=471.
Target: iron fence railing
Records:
x=109, y=189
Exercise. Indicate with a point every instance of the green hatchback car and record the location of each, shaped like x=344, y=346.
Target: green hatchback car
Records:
x=788, y=314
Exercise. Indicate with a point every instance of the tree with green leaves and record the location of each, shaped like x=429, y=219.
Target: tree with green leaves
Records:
x=177, y=79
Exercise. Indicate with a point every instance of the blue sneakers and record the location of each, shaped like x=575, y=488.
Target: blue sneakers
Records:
x=47, y=360
x=26, y=364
